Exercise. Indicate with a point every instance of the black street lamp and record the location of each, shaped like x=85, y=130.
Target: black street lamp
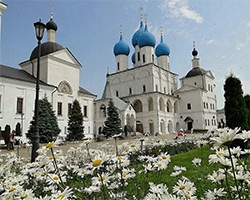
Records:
x=39, y=28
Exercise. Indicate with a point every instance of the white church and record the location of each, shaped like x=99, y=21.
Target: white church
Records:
x=145, y=90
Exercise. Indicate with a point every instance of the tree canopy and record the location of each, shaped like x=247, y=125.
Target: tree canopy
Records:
x=75, y=123
x=47, y=122
x=112, y=125
x=235, y=108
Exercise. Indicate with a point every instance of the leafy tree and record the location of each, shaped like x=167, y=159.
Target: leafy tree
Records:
x=113, y=122
x=75, y=123
x=47, y=122
x=18, y=129
x=235, y=108
x=247, y=102
x=6, y=134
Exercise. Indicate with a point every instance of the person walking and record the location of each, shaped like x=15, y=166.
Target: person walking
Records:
x=11, y=141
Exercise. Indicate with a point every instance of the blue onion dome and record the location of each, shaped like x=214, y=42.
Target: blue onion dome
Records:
x=121, y=48
x=162, y=49
x=137, y=34
x=146, y=39
x=51, y=25
x=133, y=58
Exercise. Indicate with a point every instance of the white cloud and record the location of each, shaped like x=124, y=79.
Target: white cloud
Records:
x=208, y=42
x=181, y=9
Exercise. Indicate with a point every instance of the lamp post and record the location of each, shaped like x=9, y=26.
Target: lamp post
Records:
x=39, y=28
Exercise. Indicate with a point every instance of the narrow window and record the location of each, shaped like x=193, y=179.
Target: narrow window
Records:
x=130, y=90
x=156, y=88
x=164, y=90
x=117, y=94
x=138, y=56
x=143, y=58
x=205, y=122
x=69, y=109
x=59, y=108
x=144, y=88
x=118, y=66
x=85, y=111
x=189, y=106
x=19, y=106
x=153, y=58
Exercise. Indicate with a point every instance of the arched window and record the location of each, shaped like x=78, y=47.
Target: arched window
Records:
x=64, y=87
x=138, y=106
x=169, y=106
x=150, y=104
x=175, y=107
x=102, y=110
x=161, y=104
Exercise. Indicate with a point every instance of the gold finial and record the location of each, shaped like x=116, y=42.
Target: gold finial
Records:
x=161, y=29
x=145, y=18
x=120, y=29
x=141, y=13
x=51, y=11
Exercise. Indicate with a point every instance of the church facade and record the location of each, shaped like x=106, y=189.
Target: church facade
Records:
x=145, y=92
x=59, y=83
x=151, y=88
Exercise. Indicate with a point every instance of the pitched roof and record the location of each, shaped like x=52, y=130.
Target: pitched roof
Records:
x=17, y=74
x=82, y=90
x=108, y=94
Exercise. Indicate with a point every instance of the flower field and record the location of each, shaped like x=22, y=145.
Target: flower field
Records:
x=202, y=167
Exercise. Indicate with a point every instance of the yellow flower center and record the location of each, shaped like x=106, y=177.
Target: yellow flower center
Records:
x=159, y=164
x=96, y=163
x=188, y=196
x=12, y=189
x=124, y=175
x=60, y=196
x=119, y=158
x=14, y=183
x=132, y=145
x=181, y=187
x=101, y=178
x=43, y=174
x=50, y=144
x=51, y=157
x=56, y=178
x=220, y=154
x=25, y=196
x=163, y=157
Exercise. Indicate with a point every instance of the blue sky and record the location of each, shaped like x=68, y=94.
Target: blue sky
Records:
x=90, y=29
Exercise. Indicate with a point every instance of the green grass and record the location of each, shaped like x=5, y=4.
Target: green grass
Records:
x=194, y=174
x=138, y=187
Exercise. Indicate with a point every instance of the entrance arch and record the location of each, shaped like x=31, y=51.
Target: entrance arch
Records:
x=170, y=126
x=163, y=126
x=151, y=127
x=139, y=127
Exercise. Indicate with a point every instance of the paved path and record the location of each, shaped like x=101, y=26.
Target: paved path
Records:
x=26, y=152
